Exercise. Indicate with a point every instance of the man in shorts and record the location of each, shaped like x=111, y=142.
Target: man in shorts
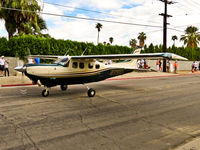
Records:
x=2, y=63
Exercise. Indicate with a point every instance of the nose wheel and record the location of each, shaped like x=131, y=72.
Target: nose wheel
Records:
x=45, y=93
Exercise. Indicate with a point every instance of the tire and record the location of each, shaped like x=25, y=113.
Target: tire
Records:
x=91, y=93
x=63, y=87
x=45, y=93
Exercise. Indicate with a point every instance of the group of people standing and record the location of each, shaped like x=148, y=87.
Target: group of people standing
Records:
x=4, y=67
x=142, y=64
x=195, y=66
x=169, y=67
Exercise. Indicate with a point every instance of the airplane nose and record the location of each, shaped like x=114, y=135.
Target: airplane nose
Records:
x=20, y=68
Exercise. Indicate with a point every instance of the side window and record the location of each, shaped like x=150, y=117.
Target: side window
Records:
x=90, y=66
x=74, y=65
x=81, y=65
x=97, y=66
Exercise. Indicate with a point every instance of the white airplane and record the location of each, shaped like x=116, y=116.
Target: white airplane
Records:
x=69, y=70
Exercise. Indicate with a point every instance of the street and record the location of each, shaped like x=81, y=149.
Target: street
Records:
x=136, y=114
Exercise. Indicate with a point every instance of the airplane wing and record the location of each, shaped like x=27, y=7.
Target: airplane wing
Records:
x=170, y=56
x=46, y=56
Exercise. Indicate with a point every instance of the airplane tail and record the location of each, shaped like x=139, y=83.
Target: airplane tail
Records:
x=137, y=50
x=133, y=62
x=130, y=63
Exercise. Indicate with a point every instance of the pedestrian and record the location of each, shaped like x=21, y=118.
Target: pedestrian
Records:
x=193, y=64
x=175, y=66
x=2, y=63
x=6, y=68
x=199, y=66
x=160, y=65
x=168, y=65
x=157, y=65
x=139, y=63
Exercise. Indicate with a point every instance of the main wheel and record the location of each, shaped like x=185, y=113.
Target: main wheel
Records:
x=63, y=87
x=45, y=93
x=91, y=92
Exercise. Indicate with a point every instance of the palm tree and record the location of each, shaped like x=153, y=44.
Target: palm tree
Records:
x=133, y=43
x=22, y=22
x=174, y=38
x=191, y=37
x=142, y=37
x=98, y=26
x=111, y=40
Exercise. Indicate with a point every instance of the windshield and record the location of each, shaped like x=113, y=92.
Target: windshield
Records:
x=63, y=61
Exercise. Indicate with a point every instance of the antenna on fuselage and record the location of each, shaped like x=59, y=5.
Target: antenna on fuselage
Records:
x=67, y=52
x=84, y=51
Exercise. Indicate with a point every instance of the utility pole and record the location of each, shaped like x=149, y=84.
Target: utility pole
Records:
x=165, y=16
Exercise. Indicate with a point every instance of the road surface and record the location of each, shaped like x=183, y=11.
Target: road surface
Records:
x=134, y=114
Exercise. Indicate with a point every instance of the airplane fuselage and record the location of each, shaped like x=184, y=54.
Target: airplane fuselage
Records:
x=74, y=72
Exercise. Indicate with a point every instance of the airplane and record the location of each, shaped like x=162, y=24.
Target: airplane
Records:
x=70, y=70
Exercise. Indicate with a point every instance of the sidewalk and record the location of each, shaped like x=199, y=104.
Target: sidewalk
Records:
x=23, y=80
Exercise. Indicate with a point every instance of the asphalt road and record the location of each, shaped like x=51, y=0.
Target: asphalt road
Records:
x=138, y=114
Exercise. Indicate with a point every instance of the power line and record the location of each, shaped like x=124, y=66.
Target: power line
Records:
x=83, y=18
x=99, y=12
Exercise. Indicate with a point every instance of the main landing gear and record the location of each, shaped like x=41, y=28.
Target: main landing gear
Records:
x=91, y=92
x=45, y=93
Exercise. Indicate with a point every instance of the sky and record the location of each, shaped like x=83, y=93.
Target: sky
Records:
x=140, y=12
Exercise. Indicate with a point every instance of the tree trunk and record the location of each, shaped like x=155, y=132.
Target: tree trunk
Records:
x=98, y=38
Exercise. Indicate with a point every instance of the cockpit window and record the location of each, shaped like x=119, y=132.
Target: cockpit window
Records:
x=64, y=62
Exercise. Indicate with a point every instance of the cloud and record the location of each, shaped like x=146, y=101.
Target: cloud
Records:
x=144, y=12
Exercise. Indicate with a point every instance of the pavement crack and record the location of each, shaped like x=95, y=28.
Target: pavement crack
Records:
x=18, y=127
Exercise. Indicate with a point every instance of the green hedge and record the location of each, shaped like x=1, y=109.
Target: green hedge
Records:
x=23, y=45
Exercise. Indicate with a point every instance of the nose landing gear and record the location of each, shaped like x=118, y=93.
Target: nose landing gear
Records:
x=45, y=92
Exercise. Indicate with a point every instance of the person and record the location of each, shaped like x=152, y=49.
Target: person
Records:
x=157, y=65
x=2, y=63
x=175, y=66
x=30, y=61
x=138, y=63
x=160, y=65
x=6, y=68
x=199, y=66
x=193, y=64
x=168, y=65
x=110, y=62
x=37, y=60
